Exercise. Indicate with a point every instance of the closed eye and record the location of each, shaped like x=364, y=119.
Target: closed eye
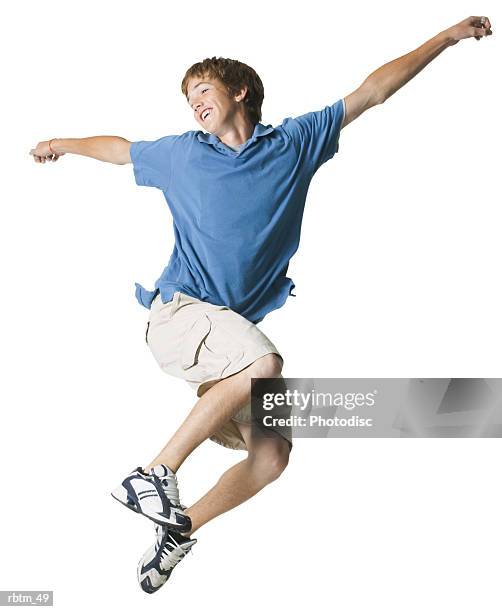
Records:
x=202, y=91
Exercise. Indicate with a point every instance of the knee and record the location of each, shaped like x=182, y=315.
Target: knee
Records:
x=268, y=366
x=269, y=463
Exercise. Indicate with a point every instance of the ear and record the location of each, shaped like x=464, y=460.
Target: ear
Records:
x=242, y=94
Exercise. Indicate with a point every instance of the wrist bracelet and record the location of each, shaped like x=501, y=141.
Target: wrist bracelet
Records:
x=50, y=148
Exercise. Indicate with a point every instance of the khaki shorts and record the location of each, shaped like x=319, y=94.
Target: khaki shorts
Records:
x=204, y=343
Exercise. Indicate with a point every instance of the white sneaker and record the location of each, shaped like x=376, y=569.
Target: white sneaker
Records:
x=155, y=495
x=156, y=565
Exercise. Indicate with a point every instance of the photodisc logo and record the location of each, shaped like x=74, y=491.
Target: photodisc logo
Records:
x=317, y=399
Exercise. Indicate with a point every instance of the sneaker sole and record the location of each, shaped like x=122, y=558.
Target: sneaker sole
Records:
x=121, y=496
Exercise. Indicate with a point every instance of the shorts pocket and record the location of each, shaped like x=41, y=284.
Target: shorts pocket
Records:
x=193, y=341
x=210, y=348
x=146, y=332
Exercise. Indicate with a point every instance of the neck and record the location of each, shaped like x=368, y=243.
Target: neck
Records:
x=237, y=133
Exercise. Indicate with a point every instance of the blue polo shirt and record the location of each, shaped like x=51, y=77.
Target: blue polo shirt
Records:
x=236, y=214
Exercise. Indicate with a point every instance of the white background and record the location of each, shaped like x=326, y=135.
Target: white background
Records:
x=398, y=274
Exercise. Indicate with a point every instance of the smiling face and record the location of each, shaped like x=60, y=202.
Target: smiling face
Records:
x=213, y=107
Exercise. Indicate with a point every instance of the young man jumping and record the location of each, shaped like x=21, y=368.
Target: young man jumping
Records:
x=236, y=191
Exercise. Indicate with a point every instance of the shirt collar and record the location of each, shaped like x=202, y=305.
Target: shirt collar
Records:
x=259, y=130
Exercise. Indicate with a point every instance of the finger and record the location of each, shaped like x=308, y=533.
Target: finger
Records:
x=484, y=22
x=483, y=34
x=478, y=33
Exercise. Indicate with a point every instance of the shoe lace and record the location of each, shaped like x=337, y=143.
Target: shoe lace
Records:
x=170, y=558
x=170, y=486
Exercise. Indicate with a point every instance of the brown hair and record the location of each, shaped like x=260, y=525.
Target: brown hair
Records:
x=234, y=75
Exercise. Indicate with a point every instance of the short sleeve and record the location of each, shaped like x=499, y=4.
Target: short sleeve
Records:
x=316, y=134
x=152, y=161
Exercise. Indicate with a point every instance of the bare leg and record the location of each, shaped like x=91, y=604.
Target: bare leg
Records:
x=267, y=458
x=217, y=406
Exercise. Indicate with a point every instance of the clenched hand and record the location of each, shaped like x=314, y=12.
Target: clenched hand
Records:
x=42, y=153
x=472, y=27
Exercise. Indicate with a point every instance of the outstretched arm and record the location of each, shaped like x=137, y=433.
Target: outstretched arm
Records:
x=113, y=149
x=390, y=77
